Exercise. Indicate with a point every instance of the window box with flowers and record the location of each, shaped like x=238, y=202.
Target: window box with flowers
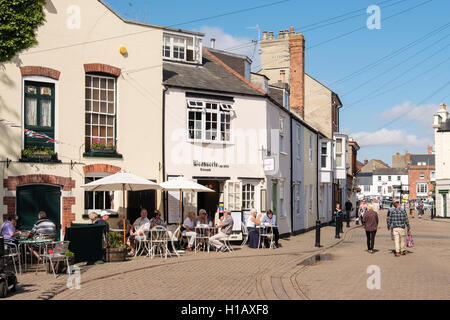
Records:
x=37, y=154
x=101, y=149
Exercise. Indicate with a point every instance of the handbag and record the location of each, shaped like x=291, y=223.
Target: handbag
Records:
x=409, y=241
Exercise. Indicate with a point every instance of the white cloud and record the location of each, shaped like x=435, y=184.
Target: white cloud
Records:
x=408, y=111
x=385, y=137
x=233, y=44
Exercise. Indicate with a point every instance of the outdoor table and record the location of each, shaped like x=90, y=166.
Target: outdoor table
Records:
x=25, y=242
x=116, y=230
x=263, y=231
x=158, y=240
x=203, y=233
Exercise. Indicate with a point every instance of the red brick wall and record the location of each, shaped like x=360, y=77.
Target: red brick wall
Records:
x=414, y=177
x=297, y=73
x=40, y=71
x=100, y=167
x=67, y=184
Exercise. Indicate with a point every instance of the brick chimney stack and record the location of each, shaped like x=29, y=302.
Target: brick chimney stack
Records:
x=297, y=72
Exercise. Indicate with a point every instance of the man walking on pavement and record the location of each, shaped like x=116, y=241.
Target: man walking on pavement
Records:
x=398, y=222
x=348, y=210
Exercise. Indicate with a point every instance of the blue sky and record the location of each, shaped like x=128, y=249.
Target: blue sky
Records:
x=387, y=106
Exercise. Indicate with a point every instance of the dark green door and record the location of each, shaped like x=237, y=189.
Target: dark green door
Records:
x=34, y=198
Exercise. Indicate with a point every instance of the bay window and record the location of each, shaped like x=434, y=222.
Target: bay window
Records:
x=209, y=121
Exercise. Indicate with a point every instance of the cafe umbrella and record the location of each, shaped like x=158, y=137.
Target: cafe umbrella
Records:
x=182, y=184
x=123, y=181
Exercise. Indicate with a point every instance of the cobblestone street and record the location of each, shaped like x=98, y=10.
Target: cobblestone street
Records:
x=270, y=274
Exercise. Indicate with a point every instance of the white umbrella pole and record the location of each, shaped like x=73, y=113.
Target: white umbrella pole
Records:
x=124, y=218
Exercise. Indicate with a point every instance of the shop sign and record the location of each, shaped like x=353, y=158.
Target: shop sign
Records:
x=269, y=164
x=207, y=166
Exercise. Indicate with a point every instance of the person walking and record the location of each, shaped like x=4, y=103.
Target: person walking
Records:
x=370, y=222
x=398, y=222
x=348, y=210
x=420, y=209
x=338, y=220
x=361, y=209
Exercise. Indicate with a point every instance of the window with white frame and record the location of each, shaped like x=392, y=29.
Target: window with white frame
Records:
x=248, y=196
x=366, y=188
x=281, y=210
x=234, y=196
x=379, y=189
x=209, y=120
x=379, y=178
x=339, y=162
x=281, y=134
x=323, y=155
x=100, y=112
x=182, y=48
x=422, y=175
x=432, y=174
x=398, y=178
x=389, y=178
x=97, y=200
x=389, y=189
x=422, y=188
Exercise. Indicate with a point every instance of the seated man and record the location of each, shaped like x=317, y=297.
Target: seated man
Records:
x=226, y=228
x=189, y=229
x=8, y=230
x=139, y=227
x=43, y=227
x=271, y=220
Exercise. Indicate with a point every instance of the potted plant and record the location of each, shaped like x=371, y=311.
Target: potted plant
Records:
x=98, y=146
x=115, y=249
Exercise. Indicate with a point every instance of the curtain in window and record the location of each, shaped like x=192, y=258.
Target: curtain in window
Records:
x=31, y=111
x=46, y=113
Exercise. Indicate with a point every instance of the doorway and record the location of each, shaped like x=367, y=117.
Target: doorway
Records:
x=138, y=200
x=34, y=198
x=209, y=200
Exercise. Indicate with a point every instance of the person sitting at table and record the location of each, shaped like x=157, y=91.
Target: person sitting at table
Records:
x=138, y=229
x=127, y=223
x=202, y=217
x=226, y=227
x=93, y=216
x=271, y=220
x=189, y=229
x=8, y=230
x=253, y=233
x=157, y=221
x=43, y=227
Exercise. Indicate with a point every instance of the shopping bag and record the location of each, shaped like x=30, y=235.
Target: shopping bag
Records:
x=409, y=241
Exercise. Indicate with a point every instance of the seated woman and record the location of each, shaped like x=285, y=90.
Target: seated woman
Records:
x=189, y=231
x=253, y=233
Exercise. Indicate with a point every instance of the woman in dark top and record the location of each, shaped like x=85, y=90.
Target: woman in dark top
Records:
x=370, y=222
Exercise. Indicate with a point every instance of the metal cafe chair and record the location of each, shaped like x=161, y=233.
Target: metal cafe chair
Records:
x=57, y=254
x=173, y=239
x=244, y=234
x=142, y=243
x=12, y=251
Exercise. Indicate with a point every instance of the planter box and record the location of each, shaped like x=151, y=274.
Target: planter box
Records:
x=116, y=254
x=103, y=151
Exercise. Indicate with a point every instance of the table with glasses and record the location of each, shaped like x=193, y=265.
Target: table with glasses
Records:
x=265, y=230
x=24, y=242
x=203, y=233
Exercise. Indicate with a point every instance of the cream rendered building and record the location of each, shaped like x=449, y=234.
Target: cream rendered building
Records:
x=441, y=127
x=93, y=81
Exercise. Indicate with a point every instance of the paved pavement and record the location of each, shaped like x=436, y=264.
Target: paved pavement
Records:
x=270, y=274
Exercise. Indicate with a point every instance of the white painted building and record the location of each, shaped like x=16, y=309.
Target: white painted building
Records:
x=441, y=127
x=381, y=183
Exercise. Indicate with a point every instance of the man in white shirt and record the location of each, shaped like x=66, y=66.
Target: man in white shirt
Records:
x=141, y=225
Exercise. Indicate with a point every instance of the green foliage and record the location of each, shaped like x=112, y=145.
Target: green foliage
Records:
x=35, y=150
x=116, y=241
x=19, y=20
x=70, y=254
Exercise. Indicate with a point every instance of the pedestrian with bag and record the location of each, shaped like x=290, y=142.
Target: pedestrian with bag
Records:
x=338, y=220
x=398, y=222
x=370, y=222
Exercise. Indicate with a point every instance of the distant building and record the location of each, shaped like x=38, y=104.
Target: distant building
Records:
x=373, y=164
x=421, y=167
x=400, y=160
x=441, y=127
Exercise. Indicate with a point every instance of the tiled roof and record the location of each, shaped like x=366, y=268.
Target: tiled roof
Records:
x=427, y=158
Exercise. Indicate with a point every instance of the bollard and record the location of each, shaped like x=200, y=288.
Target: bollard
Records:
x=317, y=233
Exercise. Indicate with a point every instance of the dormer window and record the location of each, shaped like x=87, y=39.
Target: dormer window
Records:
x=182, y=48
